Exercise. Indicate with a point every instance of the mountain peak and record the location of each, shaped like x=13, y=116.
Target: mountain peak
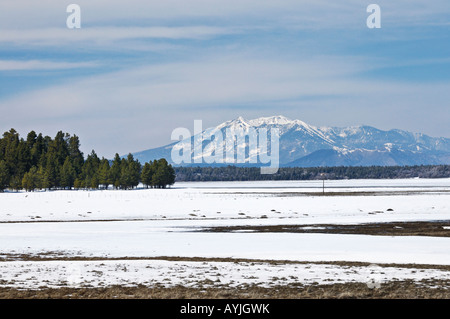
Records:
x=271, y=120
x=237, y=122
x=303, y=144
x=240, y=119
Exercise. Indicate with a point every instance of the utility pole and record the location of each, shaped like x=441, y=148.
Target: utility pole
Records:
x=323, y=183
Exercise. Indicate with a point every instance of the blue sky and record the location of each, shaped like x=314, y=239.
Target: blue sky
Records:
x=136, y=70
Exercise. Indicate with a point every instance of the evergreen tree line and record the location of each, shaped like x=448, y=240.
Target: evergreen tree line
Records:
x=234, y=173
x=40, y=162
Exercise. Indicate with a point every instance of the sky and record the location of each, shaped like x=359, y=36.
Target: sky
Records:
x=137, y=70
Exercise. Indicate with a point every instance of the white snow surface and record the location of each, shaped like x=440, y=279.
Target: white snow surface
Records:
x=156, y=223
x=154, y=239
x=241, y=202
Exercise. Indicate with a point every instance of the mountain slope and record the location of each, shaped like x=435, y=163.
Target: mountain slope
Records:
x=361, y=157
x=301, y=144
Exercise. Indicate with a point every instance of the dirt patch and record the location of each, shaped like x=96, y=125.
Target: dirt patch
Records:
x=428, y=228
x=58, y=256
x=392, y=290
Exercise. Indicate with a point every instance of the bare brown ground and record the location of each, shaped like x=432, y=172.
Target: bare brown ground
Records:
x=392, y=290
x=59, y=256
x=426, y=228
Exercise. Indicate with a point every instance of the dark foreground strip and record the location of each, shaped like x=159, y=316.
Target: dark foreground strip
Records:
x=232, y=308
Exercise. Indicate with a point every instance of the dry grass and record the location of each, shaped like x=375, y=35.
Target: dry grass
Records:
x=392, y=290
x=60, y=256
x=428, y=228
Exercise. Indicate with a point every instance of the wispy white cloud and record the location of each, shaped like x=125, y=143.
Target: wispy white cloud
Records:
x=102, y=36
x=199, y=83
x=19, y=65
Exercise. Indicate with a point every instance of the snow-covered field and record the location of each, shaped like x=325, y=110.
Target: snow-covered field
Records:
x=54, y=274
x=149, y=239
x=413, y=199
x=149, y=223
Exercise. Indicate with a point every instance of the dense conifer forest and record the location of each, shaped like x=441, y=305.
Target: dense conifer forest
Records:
x=233, y=173
x=42, y=162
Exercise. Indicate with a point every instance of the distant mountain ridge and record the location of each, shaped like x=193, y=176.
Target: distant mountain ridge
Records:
x=304, y=145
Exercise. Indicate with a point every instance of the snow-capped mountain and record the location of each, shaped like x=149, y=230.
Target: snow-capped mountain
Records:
x=304, y=145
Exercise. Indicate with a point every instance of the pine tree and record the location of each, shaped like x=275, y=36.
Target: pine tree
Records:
x=45, y=184
x=9, y=151
x=147, y=174
x=52, y=171
x=31, y=180
x=89, y=172
x=94, y=182
x=60, y=147
x=158, y=176
x=170, y=175
x=78, y=183
x=125, y=179
x=24, y=161
x=116, y=171
x=76, y=156
x=134, y=168
x=104, y=173
x=4, y=176
x=68, y=174
x=16, y=183
x=33, y=144
x=130, y=172
x=164, y=174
